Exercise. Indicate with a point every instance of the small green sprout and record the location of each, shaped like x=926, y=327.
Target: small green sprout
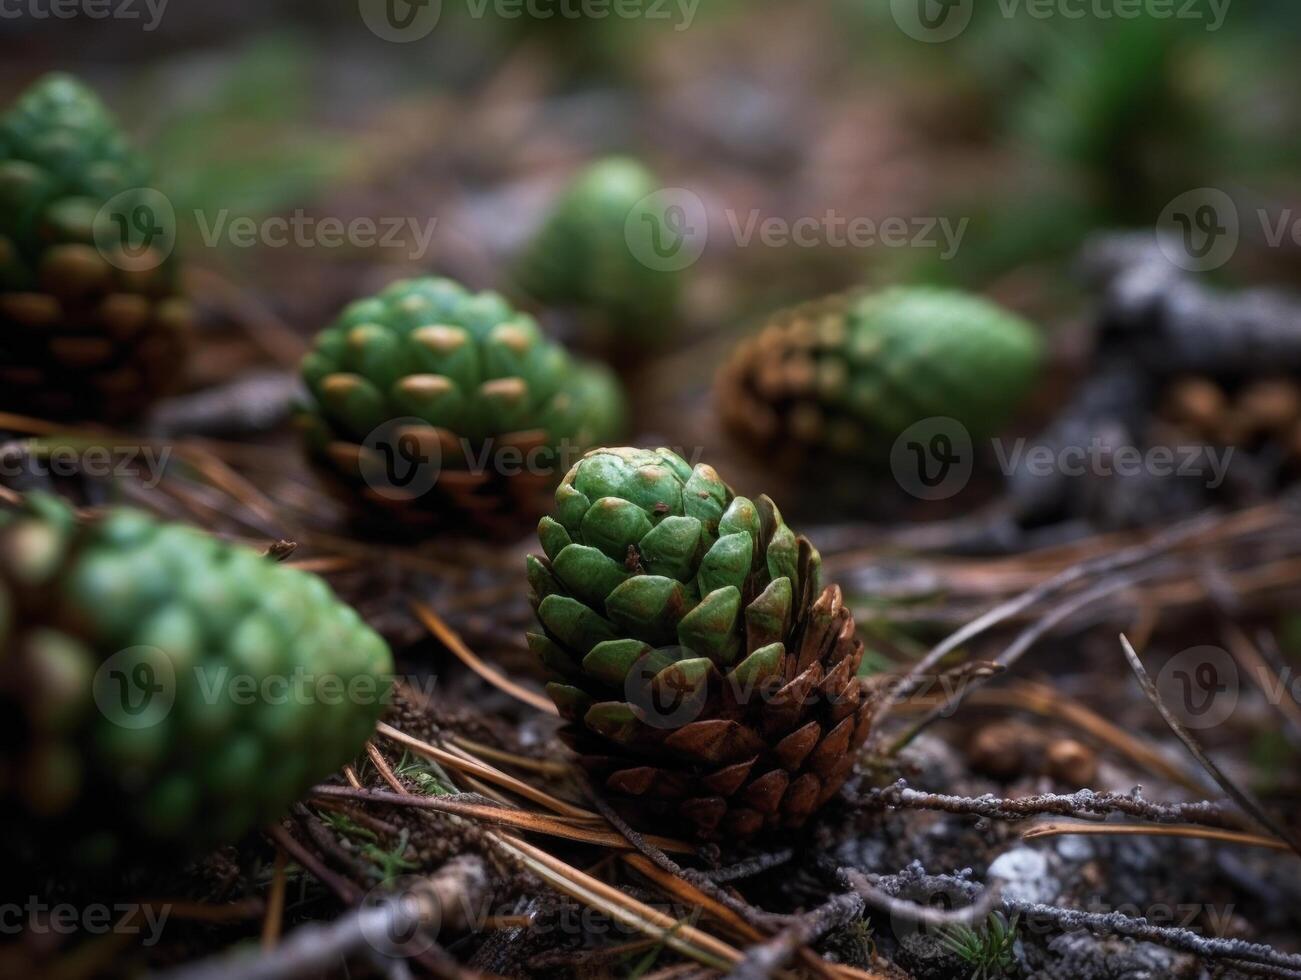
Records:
x=988, y=950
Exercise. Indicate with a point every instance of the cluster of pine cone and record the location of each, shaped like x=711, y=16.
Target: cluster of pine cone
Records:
x=429, y=407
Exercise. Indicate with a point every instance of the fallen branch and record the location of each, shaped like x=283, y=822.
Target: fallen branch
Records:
x=1083, y=805
x=434, y=903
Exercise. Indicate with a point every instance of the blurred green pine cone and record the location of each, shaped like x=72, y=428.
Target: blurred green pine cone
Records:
x=91, y=325
x=141, y=686
x=709, y=678
x=438, y=407
x=581, y=259
x=848, y=374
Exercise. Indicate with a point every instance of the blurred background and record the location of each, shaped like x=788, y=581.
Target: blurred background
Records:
x=830, y=144
x=983, y=149
x=1033, y=129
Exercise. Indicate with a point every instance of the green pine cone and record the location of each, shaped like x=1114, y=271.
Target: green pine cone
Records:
x=457, y=384
x=165, y=690
x=581, y=258
x=90, y=324
x=710, y=678
x=849, y=374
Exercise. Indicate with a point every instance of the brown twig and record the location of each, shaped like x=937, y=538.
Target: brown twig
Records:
x=275, y=903
x=1083, y=805
x=1143, y=830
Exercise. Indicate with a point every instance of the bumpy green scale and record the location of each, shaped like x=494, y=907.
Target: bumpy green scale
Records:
x=471, y=376
x=709, y=675
x=849, y=374
x=165, y=691
x=91, y=321
x=581, y=258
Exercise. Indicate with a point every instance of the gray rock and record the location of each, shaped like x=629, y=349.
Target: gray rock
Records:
x=1025, y=876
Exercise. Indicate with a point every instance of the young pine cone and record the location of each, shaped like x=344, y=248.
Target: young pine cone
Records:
x=848, y=374
x=165, y=691
x=433, y=407
x=91, y=324
x=709, y=678
x=582, y=259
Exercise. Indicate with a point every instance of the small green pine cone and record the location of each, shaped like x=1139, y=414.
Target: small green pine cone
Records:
x=849, y=374
x=165, y=690
x=582, y=260
x=440, y=407
x=91, y=325
x=709, y=677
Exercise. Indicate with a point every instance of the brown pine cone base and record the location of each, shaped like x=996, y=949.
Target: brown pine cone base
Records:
x=767, y=390
x=501, y=506
x=756, y=761
x=90, y=346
